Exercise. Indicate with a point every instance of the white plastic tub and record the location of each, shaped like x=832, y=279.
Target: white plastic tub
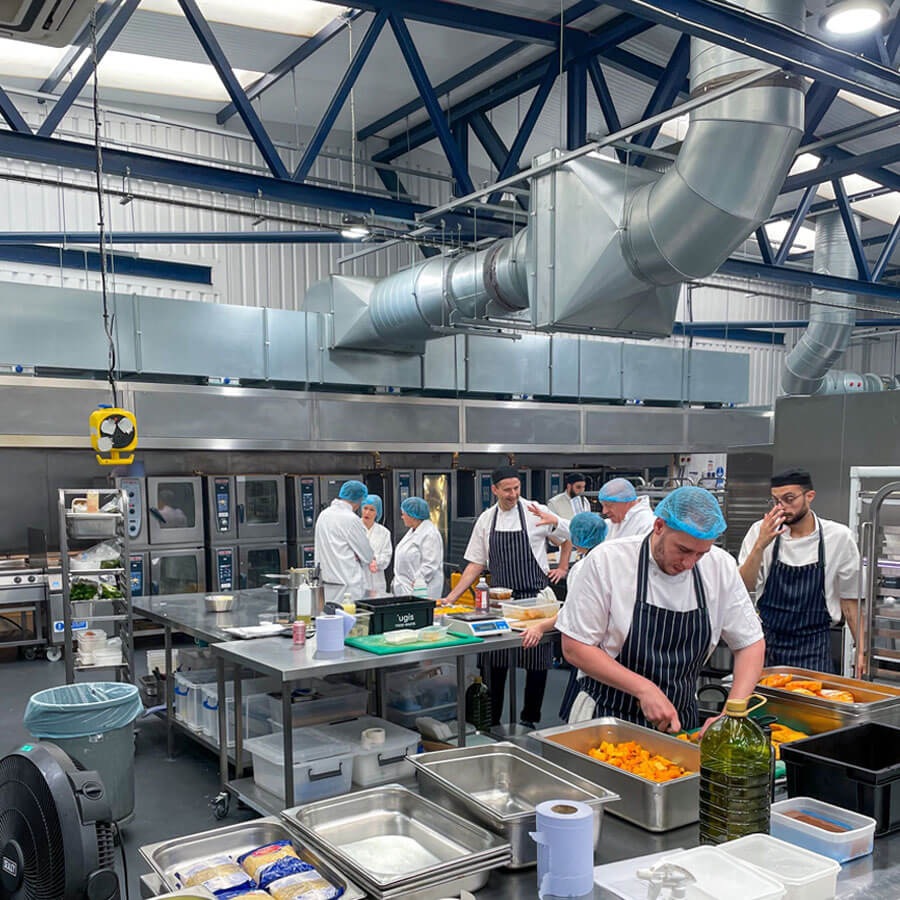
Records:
x=188, y=697
x=322, y=702
x=379, y=764
x=323, y=765
x=255, y=706
x=840, y=846
x=723, y=876
x=805, y=875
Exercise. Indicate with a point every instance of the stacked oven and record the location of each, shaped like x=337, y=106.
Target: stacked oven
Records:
x=308, y=495
x=246, y=529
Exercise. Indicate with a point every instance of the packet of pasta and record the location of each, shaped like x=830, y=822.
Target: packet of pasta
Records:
x=272, y=862
x=309, y=885
x=218, y=874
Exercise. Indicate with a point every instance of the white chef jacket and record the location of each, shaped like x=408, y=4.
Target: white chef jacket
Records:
x=841, y=560
x=600, y=606
x=420, y=554
x=477, y=550
x=568, y=507
x=380, y=539
x=638, y=521
x=342, y=547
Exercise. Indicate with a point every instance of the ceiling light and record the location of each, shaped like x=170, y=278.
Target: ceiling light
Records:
x=298, y=17
x=853, y=16
x=354, y=227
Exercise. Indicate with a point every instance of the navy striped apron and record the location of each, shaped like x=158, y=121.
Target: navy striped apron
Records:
x=512, y=565
x=665, y=646
x=795, y=615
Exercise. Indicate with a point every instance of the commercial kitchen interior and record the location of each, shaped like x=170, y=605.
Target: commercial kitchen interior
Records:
x=407, y=242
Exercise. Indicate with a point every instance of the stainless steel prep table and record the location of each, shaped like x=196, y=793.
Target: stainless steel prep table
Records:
x=277, y=656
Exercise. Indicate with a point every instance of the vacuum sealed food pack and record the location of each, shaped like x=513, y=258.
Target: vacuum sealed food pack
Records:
x=309, y=885
x=272, y=863
x=218, y=874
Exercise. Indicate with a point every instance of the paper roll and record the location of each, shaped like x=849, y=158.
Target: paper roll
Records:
x=330, y=634
x=372, y=737
x=565, y=839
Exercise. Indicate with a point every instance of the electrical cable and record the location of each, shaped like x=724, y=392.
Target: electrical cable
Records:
x=124, y=862
x=108, y=318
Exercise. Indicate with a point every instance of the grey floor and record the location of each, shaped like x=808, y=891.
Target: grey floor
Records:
x=172, y=798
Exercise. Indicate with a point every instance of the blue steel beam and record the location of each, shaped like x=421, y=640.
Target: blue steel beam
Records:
x=576, y=105
x=79, y=44
x=800, y=214
x=856, y=247
x=764, y=39
x=818, y=101
x=493, y=145
x=11, y=114
x=729, y=333
x=340, y=97
x=435, y=113
x=175, y=237
x=245, y=110
x=892, y=42
x=886, y=252
x=469, y=73
x=80, y=79
x=460, y=132
x=765, y=245
x=290, y=62
x=607, y=105
x=845, y=163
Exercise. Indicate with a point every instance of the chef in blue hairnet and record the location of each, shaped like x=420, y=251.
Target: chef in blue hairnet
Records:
x=646, y=613
x=420, y=552
x=371, y=513
x=627, y=514
x=342, y=545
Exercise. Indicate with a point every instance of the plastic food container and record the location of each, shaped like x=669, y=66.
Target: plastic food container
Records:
x=323, y=765
x=188, y=697
x=840, y=846
x=725, y=876
x=255, y=702
x=381, y=763
x=401, y=636
x=322, y=701
x=432, y=633
x=805, y=875
x=855, y=768
x=530, y=609
x=446, y=712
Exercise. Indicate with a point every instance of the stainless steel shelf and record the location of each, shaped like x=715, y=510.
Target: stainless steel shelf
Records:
x=78, y=573
x=121, y=665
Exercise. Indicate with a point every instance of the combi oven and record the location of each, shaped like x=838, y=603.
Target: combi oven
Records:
x=245, y=507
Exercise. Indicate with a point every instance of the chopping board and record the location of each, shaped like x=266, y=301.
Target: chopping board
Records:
x=375, y=643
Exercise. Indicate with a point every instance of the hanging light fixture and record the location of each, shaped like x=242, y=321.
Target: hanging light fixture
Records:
x=853, y=16
x=354, y=227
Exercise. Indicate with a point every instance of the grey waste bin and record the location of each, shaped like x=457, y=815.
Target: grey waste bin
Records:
x=94, y=724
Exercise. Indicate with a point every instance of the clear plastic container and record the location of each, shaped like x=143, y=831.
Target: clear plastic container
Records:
x=323, y=765
x=726, y=876
x=805, y=875
x=322, y=702
x=384, y=762
x=188, y=697
x=529, y=609
x=446, y=712
x=840, y=846
x=255, y=704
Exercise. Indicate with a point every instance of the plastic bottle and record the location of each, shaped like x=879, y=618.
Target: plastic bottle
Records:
x=348, y=605
x=478, y=705
x=482, y=596
x=420, y=588
x=735, y=776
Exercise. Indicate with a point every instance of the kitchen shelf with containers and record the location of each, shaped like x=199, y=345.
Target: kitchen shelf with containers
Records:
x=96, y=588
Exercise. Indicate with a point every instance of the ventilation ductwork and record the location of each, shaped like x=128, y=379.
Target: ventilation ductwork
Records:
x=607, y=246
x=806, y=369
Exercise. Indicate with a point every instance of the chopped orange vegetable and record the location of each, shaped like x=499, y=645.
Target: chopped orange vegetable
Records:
x=810, y=685
x=804, y=691
x=841, y=696
x=777, y=680
x=632, y=757
x=807, y=687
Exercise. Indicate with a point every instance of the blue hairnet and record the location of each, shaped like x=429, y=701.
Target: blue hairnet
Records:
x=587, y=529
x=375, y=500
x=619, y=490
x=354, y=491
x=693, y=510
x=415, y=507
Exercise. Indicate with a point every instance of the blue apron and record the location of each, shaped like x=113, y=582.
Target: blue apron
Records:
x=666, y=646
x=795, y=615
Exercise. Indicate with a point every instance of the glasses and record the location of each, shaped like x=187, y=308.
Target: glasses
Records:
x=786, y=500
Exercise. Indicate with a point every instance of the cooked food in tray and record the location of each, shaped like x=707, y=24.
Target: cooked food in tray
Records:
x=806, y=687
x=631, y=757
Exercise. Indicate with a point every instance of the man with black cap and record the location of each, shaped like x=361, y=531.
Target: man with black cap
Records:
x=805, y=572
x=510, y=539
x=571, y=501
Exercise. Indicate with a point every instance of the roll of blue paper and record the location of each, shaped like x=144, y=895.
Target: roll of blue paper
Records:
x=565, y=839
x=330, y=634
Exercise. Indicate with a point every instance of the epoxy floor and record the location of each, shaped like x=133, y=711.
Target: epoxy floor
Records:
x=174, y=797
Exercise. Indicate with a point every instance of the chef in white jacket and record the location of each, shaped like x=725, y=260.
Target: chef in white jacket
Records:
x=420, y=553
x=628, y=515
x=371, y=512
x=342, y=545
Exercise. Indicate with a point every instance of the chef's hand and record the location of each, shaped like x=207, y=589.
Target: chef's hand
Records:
x=556, y=575
x=658, y=709
x=373, y=567
x=771, y=526
x=699, y=736
x=544, y=517
x=531, y=637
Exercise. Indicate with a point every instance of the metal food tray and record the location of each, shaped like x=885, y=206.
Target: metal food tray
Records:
x=465, y=852
x=500, y=785
x=167, y=857
x=814, y=715
x=85, y=526
x=654, y=806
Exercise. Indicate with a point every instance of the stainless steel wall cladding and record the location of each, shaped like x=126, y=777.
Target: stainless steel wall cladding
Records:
x=629, y=428
x=27, y=409
x=386, y=423
x=523, y=424
x=704, y=428
x=831, y=318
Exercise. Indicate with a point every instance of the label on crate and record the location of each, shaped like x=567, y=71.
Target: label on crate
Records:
x=59, y=626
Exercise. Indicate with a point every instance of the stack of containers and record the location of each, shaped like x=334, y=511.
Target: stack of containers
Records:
x=380, y=749
x=188, y=698
x=254, y=706
x=320, y=702
x=421, y=691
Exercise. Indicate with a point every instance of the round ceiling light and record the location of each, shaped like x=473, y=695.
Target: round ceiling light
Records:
x=853, y=16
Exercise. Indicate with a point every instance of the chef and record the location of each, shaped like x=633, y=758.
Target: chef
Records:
x=510, y=539
x=420, y=553
x=572, y=500
x=342, y=545
x=371, y=512
x=805, y=572
x=628, y=514
x=646, y=613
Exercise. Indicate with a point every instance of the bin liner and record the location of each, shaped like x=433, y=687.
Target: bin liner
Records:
x=80, y=710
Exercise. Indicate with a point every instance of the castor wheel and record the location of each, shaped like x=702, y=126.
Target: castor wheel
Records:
x=221, y=805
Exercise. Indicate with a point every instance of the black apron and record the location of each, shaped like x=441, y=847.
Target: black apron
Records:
x=795, y=615
x=665, y=646
x=512, y=565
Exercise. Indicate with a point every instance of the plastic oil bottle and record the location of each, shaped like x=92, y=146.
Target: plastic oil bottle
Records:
x=735, y=776
x=478, y=705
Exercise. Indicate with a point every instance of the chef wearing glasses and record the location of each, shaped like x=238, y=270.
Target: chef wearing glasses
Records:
x=805, y=572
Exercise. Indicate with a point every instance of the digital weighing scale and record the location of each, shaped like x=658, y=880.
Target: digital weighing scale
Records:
x=477, y=624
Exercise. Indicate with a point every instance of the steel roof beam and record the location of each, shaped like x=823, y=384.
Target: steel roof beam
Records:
x=846, y=163
x=800, y=214
x=607, y=104
x=887, y=251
